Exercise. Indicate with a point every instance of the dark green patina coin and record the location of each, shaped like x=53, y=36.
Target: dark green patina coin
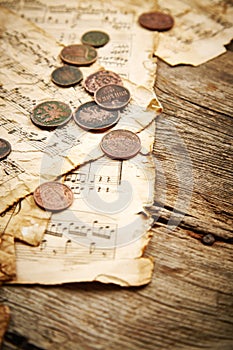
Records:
x=5, y=148
x=95, y=38
x=66, y=75
x=50, y=114
x=79, y=55
x=90, y=116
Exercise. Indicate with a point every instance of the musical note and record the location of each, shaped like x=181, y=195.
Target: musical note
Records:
x=43, y=244
x=10, y=169
x=103, y=230
x=92, y=247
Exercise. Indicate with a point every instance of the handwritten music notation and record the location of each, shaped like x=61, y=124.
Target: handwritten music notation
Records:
x=9, y=169
x=17, y=99
x=79, y=229
x=87, y=179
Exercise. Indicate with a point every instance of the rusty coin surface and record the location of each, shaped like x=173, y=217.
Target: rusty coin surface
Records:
x=112, y=96
x=120, y=144
x=95, y=38
x=5, y=148
x=156, y=21
x=79, y=54
x=90, y=116
x=53, y=196
x=101, y=78
x=50, y=114
x=66, y=75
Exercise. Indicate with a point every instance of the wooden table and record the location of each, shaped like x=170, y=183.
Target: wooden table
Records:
x=188, y=304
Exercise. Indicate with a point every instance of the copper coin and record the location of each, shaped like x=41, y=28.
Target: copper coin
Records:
x=66, y=75
x=53, y=196
x=112, y=96
x=50, y=114
x=90, y=116
x=156, y=21
x=121, y=144
x=5, y=148
x=95, y=38
x=104, y=77
x=79, y=54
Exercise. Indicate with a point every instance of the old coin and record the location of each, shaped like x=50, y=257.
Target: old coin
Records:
x=112, y=96
x=156, y=21
x=90, y=116
x=95, y=38
x=120, y=144
x=5, y=148
x=79, y=54
x=101, y=78
x=53, y=196
x=66, y=75
x=50, y=114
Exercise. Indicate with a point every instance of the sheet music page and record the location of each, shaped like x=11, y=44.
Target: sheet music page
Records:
x=28, y=57
x=129, y=51
x=102, y=236
x=202, y=28
x=107, y=227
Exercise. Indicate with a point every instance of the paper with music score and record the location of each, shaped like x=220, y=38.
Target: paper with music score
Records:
x=201, y=31
x=110, y=230
x=129, y=51
x=28, y=58
x=102, y=236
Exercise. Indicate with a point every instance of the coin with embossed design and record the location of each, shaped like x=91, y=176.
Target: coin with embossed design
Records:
x=112, y=96
x=53, y=196
x=120, y=144
x=50, y=114
x=101, y=78
x=156, y=21
x=5, y=148
x=95, y=38
x=66, y=75
x=79, y=55
x=90, y=116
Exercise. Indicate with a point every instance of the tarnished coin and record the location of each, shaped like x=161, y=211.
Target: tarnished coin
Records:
x=5, y=148
x=156, y=21
x=67, y=75
x=95, y=38
x=53, y=196
x=50, y=114
x=79, y=54
x=112, y=96
x=121, y=144
x=90, y=116
x=101, y=78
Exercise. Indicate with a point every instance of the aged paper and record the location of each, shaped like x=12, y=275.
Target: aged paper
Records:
x=4, y=320
x=7, y=248
x=102, y=236
x=38, y=155
x=107, y=227
x=202, y=28
x=129, y=51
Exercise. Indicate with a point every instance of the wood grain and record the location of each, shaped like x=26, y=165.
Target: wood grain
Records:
x=189, y=303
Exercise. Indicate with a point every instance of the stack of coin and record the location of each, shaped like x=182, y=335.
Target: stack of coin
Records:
x=78, y=55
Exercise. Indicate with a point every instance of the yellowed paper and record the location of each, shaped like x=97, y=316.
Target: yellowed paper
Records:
x=102, y=236
x=38, y=155
x=4, y=320
x=129, y=51
x=202, y=28
x=7, y=250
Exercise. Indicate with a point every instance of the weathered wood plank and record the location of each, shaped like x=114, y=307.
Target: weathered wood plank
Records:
x=189, y=303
